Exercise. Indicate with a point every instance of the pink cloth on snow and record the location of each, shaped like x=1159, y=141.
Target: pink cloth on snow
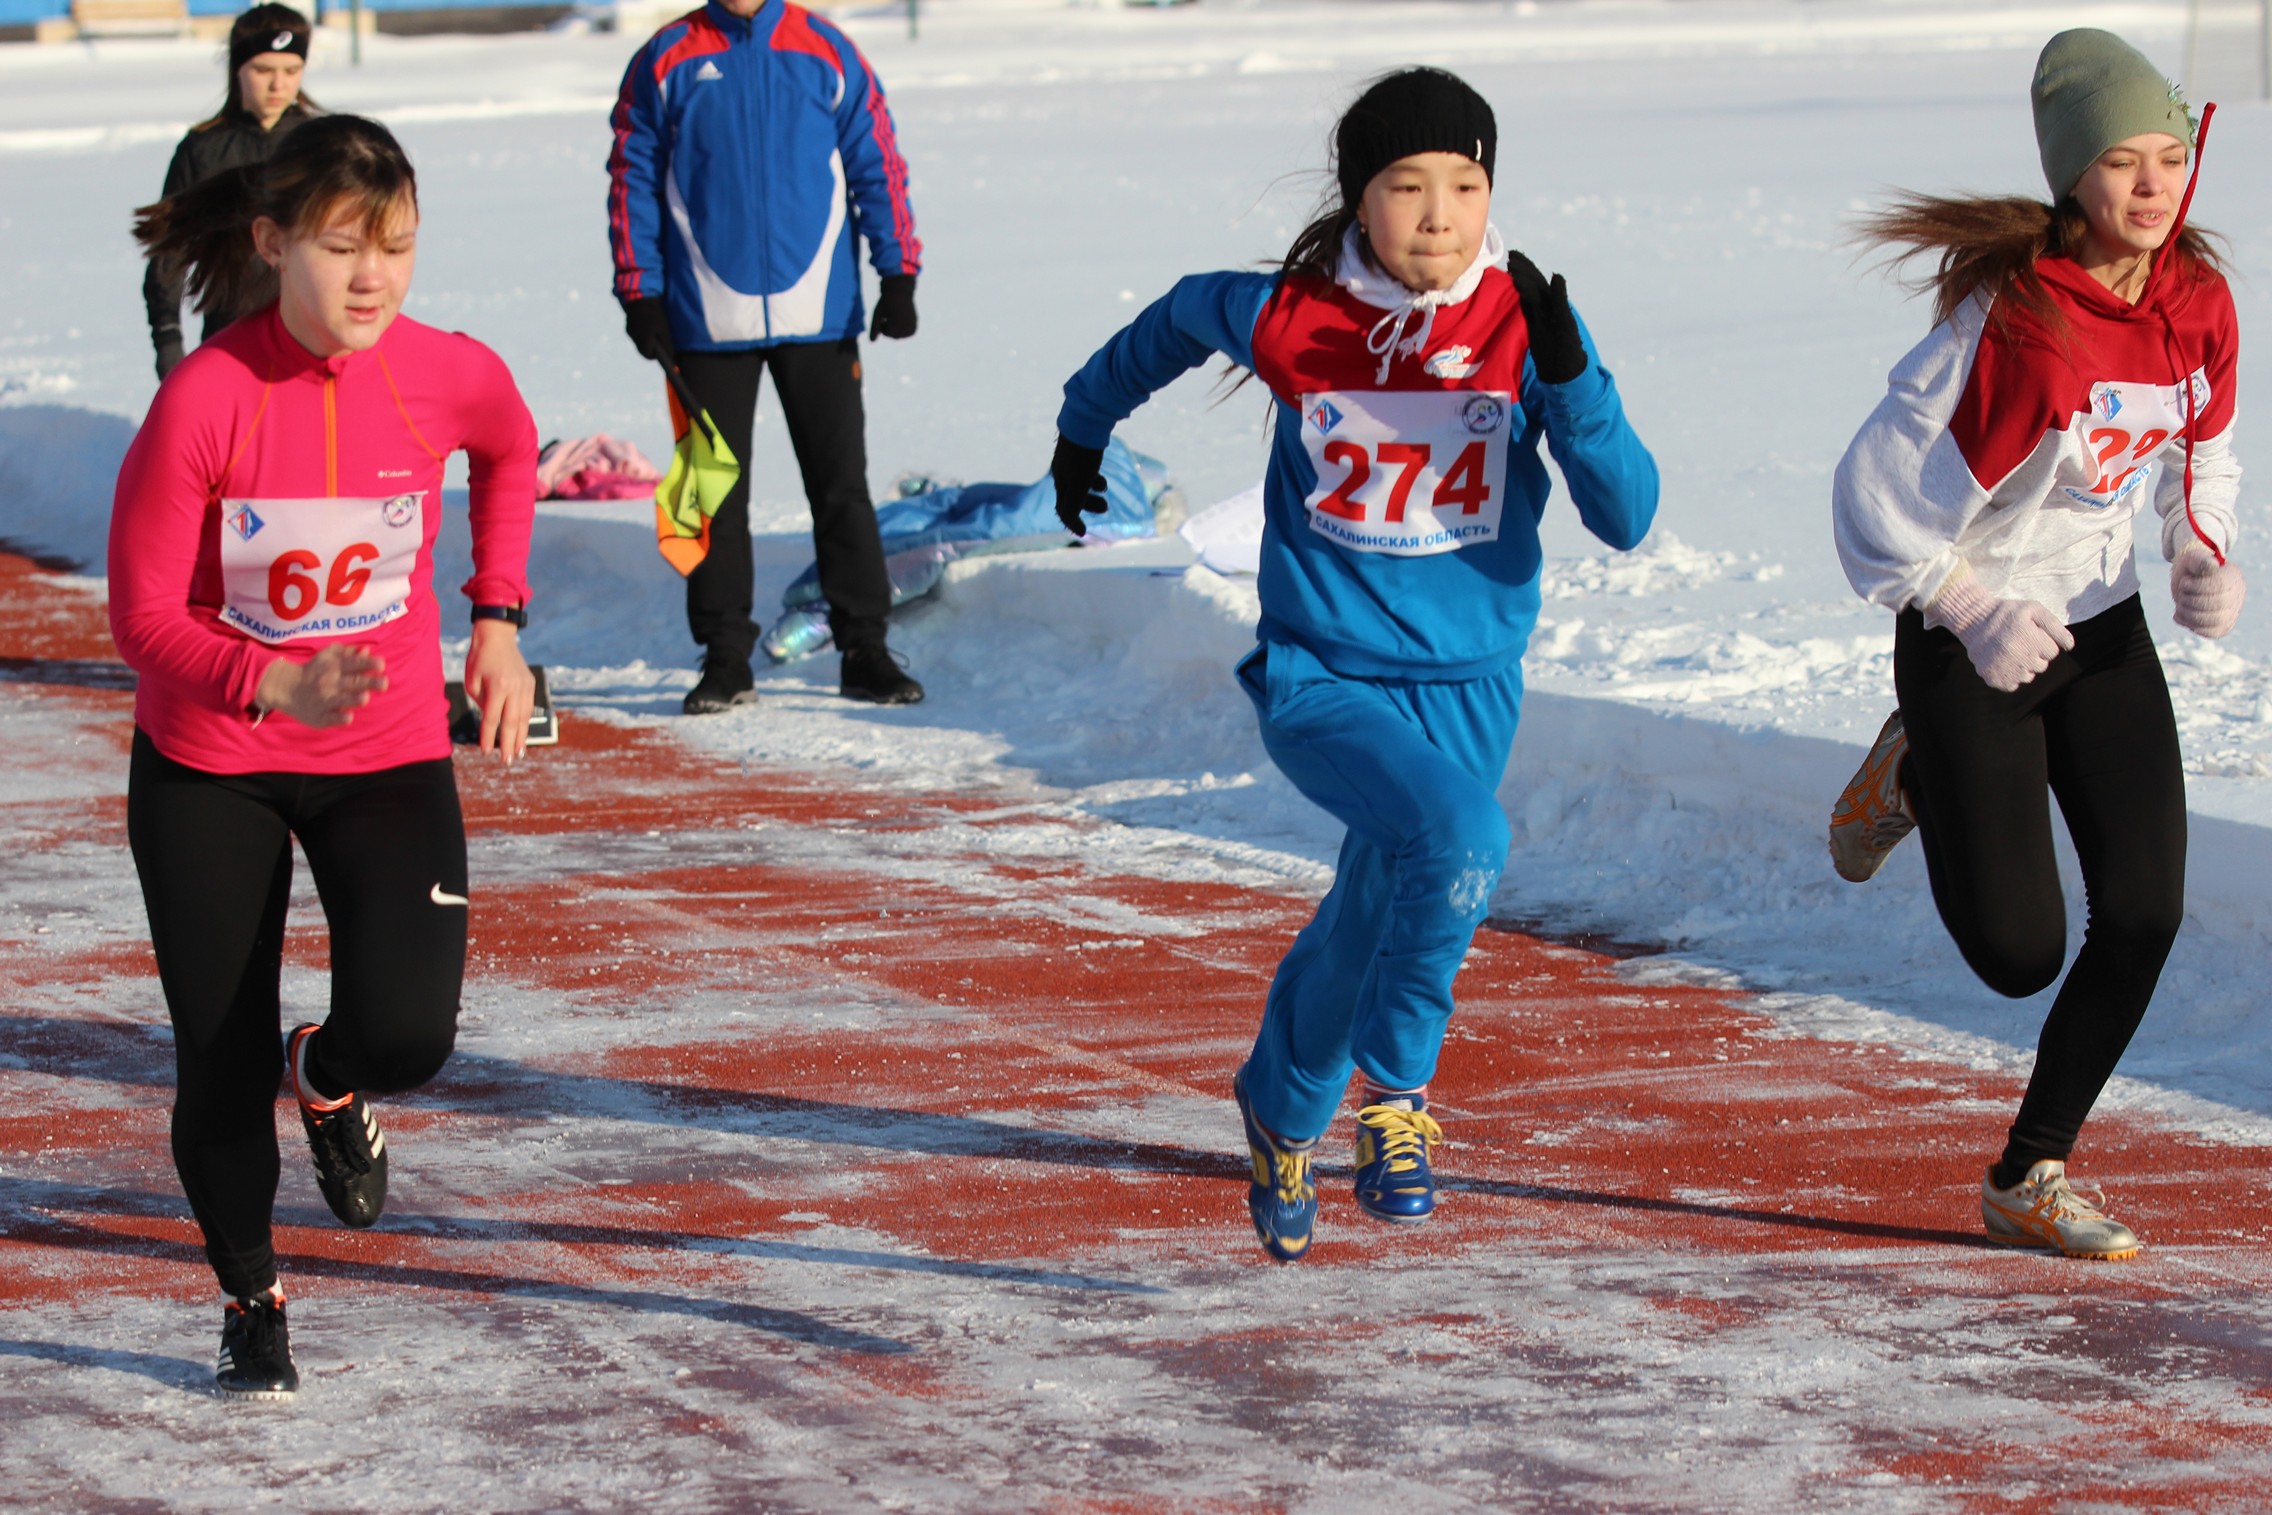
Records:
x=595, y=468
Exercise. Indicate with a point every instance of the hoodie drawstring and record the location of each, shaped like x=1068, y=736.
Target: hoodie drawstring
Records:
x=2169, y=324
x=1387, y=335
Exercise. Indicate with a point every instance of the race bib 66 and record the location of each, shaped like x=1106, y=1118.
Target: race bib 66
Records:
x=1410, y=473
x=317, y=568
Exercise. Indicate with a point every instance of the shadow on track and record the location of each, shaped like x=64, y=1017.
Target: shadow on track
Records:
x=173, y=1372
x=496, y=1086
x=78, y=1237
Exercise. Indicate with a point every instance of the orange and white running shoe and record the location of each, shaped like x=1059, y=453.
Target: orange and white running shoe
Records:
x=1872, y=816
x=2043, y=1210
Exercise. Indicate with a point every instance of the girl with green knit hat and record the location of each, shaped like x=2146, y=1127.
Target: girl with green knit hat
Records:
x=2080, y=370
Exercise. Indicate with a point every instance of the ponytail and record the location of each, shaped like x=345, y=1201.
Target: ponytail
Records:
x=331, y=166
x=1991, y=244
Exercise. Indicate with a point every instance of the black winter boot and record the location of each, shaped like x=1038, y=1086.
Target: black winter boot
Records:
x=725, y=683
x=871, y=673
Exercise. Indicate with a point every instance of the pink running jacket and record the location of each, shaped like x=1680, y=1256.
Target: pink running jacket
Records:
x=275, y=502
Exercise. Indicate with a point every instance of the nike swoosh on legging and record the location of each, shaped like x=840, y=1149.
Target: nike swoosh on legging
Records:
x=439, y=898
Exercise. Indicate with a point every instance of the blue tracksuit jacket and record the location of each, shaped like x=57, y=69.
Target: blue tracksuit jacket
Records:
x=1347, y=572
x=747, y=152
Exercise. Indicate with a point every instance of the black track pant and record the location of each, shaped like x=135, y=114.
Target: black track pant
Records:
x=819, y=387
x=2094, y=731
x=215, y=855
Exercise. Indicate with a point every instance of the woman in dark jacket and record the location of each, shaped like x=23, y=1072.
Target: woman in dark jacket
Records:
x=268, y=48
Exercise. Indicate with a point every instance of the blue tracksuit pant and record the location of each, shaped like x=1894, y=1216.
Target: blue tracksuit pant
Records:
x=1413, y=770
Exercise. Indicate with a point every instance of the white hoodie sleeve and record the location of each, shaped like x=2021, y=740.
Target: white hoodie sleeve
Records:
x=1903, y=495
x=2216, y=495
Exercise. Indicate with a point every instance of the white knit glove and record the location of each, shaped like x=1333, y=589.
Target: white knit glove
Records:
x=2208, y=593
x=2010, y=641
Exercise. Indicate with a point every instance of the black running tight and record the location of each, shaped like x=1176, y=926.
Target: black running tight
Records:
x=2095, y=732
x=214, y=852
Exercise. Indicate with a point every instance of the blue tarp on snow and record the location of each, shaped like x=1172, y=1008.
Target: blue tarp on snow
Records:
x=926, y=531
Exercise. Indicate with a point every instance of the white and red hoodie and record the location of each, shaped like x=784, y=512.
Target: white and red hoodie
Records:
x=2025, y=452
x=275, y=502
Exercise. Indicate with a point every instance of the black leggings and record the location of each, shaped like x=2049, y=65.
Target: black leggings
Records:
x=2094, y=730
x=819, y=387
x=214, y=852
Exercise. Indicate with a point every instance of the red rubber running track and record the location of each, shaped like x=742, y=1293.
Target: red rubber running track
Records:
x=813, y=1145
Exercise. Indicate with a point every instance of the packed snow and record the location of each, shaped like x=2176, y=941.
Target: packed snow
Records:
x=1693, y=169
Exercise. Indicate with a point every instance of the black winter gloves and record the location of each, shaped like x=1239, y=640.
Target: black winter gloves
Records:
x=649, y=325
x=1078, y=473
x=169, y=352
x=1554, y=343
x=895, y=308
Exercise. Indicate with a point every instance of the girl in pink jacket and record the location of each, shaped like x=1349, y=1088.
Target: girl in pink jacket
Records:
x=271, y=581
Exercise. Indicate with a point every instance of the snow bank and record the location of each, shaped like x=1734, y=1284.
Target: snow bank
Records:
x=58, y=464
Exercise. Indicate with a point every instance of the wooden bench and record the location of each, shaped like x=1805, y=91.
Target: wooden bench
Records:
x=130, y=18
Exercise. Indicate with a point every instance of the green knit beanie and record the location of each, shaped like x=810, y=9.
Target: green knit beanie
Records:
x=2092, y=90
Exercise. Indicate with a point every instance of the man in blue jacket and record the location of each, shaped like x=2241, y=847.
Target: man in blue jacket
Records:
x=751, y=141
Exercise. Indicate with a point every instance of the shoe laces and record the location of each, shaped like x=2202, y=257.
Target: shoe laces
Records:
x=1402, y=1137
x=1290, y=1174
x=2061, y=1200
x=344, y=1144
x=881, y=655
x=258, y=1321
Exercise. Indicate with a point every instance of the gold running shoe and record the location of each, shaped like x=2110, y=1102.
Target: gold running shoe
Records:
x=1872, y=816
x=2042, y=1210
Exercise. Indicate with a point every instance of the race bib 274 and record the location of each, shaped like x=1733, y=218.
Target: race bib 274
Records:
x=1409, y=473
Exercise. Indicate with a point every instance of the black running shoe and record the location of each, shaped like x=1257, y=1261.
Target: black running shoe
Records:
x=725, y=683
x=255, y=1361
x=871, y=673
x=349, y=1152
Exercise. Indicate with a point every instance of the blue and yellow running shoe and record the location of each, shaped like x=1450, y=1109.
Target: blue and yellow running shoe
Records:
x=1281, y=1199
x=1393, y=1138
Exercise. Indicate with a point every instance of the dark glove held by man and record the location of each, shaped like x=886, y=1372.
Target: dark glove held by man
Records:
x=895, y=308
x=1078, y=473
x=169, y=353
x=649, y=325
x=1555, y=345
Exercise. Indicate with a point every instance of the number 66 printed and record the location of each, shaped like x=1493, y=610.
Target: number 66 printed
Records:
x=292, y=588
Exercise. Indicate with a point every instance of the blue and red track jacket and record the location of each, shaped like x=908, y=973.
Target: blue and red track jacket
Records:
x=747, y=151
x=1402, y=501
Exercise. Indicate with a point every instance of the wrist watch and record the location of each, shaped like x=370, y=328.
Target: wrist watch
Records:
x=513, y=613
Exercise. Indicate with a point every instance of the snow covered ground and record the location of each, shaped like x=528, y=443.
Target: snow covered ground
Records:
x=1691, y=166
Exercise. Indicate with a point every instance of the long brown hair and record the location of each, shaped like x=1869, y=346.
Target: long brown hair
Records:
x=244, y=34
x=331, y=164
x=1992, y=243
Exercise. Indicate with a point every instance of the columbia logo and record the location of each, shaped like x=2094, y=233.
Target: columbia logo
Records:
x=244, y=523
x=1325, y=417
x=708, y=70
